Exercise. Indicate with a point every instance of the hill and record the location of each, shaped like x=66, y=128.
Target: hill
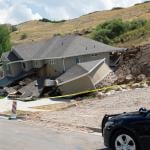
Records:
x=37, y=30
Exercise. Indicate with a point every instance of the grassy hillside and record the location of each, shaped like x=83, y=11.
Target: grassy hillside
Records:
x=140, y=36
x=37, y=30
x=123, y=33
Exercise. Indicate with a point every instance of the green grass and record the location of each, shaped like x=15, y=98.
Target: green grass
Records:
x=1, y=97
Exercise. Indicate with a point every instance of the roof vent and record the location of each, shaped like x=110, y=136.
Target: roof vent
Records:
x=86, y=48
x=62, y=43
x=94, y=46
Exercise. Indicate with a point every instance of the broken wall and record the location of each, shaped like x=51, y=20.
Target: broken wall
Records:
x=99, y=73
x=81, y=84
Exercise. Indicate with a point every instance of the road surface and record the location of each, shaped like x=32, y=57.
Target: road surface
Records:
x=18, y=135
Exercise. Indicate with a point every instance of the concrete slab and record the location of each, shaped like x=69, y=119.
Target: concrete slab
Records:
x=6, y=104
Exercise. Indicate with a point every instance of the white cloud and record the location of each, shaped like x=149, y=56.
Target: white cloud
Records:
x=20, y=13
x=17, y=11
x=126, y=3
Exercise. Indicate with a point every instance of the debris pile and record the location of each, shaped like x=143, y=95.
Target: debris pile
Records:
x=29, y=88
x=135, y=66
x=119, y=88
x=109, y=80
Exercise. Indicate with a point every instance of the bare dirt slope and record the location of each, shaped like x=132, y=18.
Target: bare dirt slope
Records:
x=36, y=30
x=136, y=62
x=90, y=112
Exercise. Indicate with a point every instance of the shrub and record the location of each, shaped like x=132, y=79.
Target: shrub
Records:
x=51, y=21
x=135, y=24
x=13, y=28
x=109, y=30
x=56, y=34
x=23, y=36
x=117, y=8
x=102, y=35
x=5, y=44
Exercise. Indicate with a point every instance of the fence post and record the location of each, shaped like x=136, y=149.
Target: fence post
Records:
x=13, y=115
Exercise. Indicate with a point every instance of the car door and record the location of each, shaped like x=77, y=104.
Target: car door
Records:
x=145, y=137
x=147, y=125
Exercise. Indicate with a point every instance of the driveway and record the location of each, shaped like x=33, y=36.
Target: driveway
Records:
x=22, y=136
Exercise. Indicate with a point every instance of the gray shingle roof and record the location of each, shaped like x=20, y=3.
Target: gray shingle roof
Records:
x=62, y=46
x=9, y=56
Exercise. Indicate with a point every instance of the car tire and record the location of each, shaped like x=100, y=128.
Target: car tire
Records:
x=124, y=139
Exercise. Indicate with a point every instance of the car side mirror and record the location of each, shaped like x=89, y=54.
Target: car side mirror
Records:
x=142, y=110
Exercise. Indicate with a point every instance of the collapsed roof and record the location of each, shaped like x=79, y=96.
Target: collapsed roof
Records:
x=78, y=70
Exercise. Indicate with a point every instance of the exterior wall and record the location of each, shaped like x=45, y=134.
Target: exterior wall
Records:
x=91, y=57
x=73, y=86
x=56, y=67
x=13, y=69
x=69, y=62
x=27, y=66
x=100, y=73
x=52, y=67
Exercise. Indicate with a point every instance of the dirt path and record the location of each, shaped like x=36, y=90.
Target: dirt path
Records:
x=90, y=112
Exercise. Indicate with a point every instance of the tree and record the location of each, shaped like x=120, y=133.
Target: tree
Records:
x=5, y=44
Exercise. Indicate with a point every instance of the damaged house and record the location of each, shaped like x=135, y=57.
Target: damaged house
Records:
x=60, y=65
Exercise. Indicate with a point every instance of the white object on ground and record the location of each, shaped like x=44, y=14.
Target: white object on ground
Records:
x=6, y=104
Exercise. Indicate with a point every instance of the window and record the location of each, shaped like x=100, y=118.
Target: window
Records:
x=94, y=55
x=77, y=60
x=24, y=66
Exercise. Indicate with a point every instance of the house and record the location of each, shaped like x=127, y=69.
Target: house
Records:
x=69, y=60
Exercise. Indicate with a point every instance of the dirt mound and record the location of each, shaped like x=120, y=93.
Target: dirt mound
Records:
x=135, y=65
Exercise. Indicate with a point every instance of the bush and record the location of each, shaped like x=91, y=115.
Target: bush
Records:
x=117, y=8
x=56, y=34
x=51, y=21
x=5, y=44
x=13, y=28
x=102, y=35
x=23, y=36
x=135, y=24
x=108, y=31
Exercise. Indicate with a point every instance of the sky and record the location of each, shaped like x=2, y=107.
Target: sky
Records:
x=18, y=11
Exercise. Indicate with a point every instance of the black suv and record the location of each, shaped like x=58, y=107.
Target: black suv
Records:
x=127, y=131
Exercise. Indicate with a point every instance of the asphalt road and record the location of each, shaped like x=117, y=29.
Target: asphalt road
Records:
x=18, y=135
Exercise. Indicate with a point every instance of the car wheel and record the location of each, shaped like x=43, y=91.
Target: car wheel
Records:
x=124, y=140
